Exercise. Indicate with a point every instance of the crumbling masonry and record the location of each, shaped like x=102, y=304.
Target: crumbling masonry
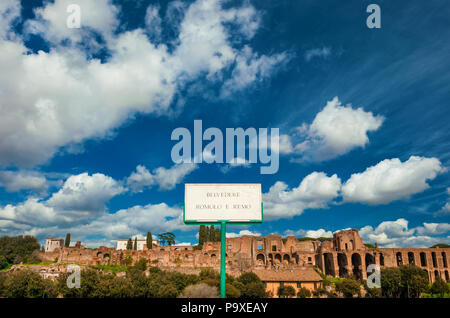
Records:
x=345, y=254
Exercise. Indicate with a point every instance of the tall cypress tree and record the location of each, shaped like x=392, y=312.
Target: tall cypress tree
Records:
x=129, y=244
x=201, y=235
x=212, y=234
x=149, y=240
x=218, y=235
x=67, y=241
x=135, y=244
x=207, y=234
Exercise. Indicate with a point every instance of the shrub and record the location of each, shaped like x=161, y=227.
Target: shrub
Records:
x=440, y=287
x=232, y=292
x=201, y=290
x=286, y=291
x=27, y=284
x=304, y=293
x=348, y=287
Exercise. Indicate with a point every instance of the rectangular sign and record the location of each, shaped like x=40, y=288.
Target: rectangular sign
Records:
x=212, y=203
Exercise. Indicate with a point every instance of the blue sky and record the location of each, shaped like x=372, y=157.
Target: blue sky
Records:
x=87, y=115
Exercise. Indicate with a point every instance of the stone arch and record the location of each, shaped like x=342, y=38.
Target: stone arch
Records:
x=213, y=255
x=381, y=259
x=399, y=258
x=423, y=259
x=433, y=257
x=278, y=257
x=357, y=266
x=342, y=264
x=444, y=259
x=329, y=264
x=260, y=259
x=447, y=278
x=436, y=274
x=411, y=259
x=99, y=254
x=286, y=258
x=370, y=259
x=106, y=256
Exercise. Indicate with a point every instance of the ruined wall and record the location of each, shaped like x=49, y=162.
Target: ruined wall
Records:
x=344, y=255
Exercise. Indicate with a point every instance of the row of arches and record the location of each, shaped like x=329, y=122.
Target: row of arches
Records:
x=273, y=259
x=422, y=259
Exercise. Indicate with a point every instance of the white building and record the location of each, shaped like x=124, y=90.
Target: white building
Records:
x=52, y=244
x=122, y=244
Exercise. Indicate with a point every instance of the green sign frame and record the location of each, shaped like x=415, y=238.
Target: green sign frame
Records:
x=223, y=242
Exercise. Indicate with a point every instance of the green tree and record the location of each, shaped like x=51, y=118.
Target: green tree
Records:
x=391, y=280
x=167, y=237
x=129, y=244
x=414, y=281
x=217, y=235
x=439, y=287
x=27, y=284
x=149, y=240
x=348, y=287
x=135, y=244
x=304, y=293
x=207, y=233
x=202, y=235
x=250, y=286
x=212, y=232
x=14, y=250
x=67, y=240
x=286, y=291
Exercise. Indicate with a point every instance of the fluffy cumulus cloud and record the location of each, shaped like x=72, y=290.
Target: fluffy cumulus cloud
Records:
x=398, y=234
x=23, y=180
x=166, y=179
x=335, y=130
x=67, y=95
x=80, y=207
x=95, y=16
x=391, y=180
x=81, y=198
x=314, y=192
x=242, y=233
x=309, y=233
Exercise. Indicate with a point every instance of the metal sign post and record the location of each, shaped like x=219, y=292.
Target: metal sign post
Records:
x=223, y=254
x=214, y=204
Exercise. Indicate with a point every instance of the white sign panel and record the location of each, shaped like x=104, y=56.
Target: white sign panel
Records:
x=222, y=202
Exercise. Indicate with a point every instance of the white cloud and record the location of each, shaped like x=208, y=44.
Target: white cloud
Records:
x=323, y=52
x=251, y=68
x=397, y=234
x=391, y=180
x=242, y=233
x=309, y=233
x=433, y=228
x=65, y=96
x=9, y=12
x=86, y=193
x=153, y=22
x=285, y=144
x=81, y=198
x=335, y=131
x=314, y=192
x=166, y=179
x=23, y=180
x=51, y=20
x=234, y=163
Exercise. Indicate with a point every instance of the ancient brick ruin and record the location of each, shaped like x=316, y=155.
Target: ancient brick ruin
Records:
x=344, y=254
